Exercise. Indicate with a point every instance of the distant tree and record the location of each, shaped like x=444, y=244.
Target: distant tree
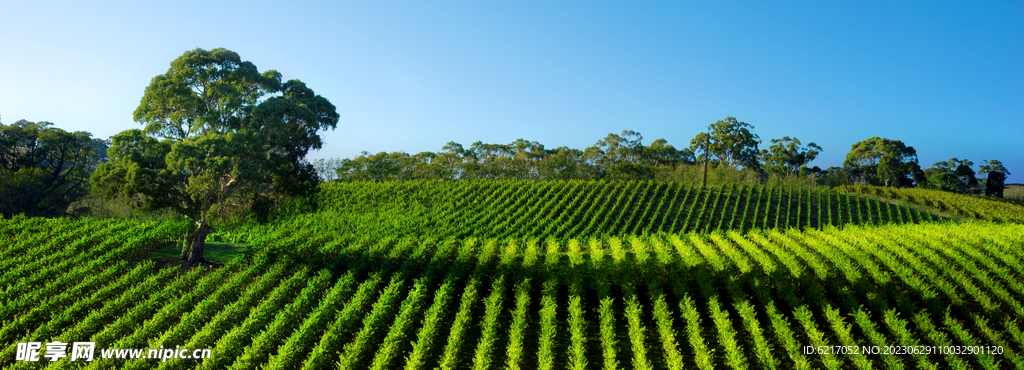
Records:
x=388, y=166
x=488, y=161
x=526, y=157
x=954, y=175
x=617, y=156
x=517, y=160
x=961, y=168
x=879, y=161
x=625, y=157
x=835, y=176
x=450, y=161
x=327, y=168
x=620, y=156
x=945, y=181
x=226, y=133
x=661, y=153
x=965, y=173
x=995, y=175
x=373, y=167
x=731, y=144
x=786, y=157
x=424, y=166
x=43, y=168
x=564, y=163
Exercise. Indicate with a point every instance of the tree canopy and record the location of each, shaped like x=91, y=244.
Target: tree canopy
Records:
x=954, y=175
x=880, y=161
x=786, y=157
x=217, y=134
x=729, y=142
x=44, y=168
x=995, y=177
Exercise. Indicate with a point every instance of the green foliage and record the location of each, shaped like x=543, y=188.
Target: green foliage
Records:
x=622, y=157
x=962, y=169
x=995, y=183
x=19, y=193
x=954, y=176
x=694, y=174
x=730, y=142
x=785, y=157
x=96, y=206
x=879, y=161
x=43, y=169
x=230, y=136
x=995, y=180
x=835, y=176
x=945, y=181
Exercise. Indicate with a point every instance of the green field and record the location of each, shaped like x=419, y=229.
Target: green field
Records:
x=1014, y=191
x=540, y=275
x=580, y=209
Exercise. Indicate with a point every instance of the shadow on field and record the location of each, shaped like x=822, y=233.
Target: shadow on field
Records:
x=215, y=254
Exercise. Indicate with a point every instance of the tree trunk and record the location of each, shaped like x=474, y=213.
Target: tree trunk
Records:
x=195, y=250
x=186, y=245
x=193, y=255
x=995, y=183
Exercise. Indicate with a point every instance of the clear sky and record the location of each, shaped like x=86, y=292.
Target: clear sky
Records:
x=944, y=77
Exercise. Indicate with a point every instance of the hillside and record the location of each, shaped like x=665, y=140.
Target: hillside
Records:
x=962, y=205
x=575, y=209
x=321, y=300
x=546, y=275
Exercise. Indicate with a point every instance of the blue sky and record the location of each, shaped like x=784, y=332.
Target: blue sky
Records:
x=943, y=77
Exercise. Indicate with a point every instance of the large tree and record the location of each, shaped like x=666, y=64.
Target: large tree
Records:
x=729, y=142
x=786, y=156
x=880, y=161
x=217, y=132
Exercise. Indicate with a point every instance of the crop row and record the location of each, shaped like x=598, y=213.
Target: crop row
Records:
x=579, y=209
x=963, y=205
x=704, y=300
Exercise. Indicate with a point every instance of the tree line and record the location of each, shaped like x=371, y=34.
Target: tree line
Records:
x=727, y=144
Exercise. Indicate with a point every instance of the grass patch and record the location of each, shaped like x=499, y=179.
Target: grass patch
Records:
x=218, y=253
x=1014, y=191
